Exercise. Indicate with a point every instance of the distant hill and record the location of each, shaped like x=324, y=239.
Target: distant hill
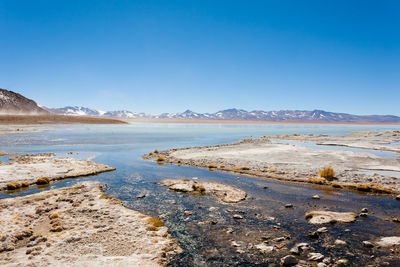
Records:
x=14, y=103
x=239, y=114
x=82, y=111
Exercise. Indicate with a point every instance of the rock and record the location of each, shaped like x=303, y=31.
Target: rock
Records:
x=188, y=213
x=141, y=196
x=315, y=197
x=363, y=214
x=397, y=197
x=367, y=244
x=237, y=217
x=396, y=220
x=289, y=206
x=339, y=242
x=264, y=248
x=342, y=262
x=315, y=256
x=235, y=244
x=313, y=234
x=299, y=248
x=289, y=260
x=225, y=193
x=389, y=241
x=322, y=230
x=279, y=239
x=364, y=210
x=321, y=264
x=322, y=217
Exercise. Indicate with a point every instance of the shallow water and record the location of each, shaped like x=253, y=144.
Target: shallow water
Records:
x=122, y=146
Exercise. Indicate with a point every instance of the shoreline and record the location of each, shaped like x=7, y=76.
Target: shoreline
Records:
x=55, y=119
x=201, y=121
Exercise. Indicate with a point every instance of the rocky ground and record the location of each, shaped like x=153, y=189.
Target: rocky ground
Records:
x=225, y=193
x=81, y=226
x=29, y=169
x=266, y=159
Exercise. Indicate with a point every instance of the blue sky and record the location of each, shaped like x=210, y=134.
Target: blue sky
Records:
x=169, y=56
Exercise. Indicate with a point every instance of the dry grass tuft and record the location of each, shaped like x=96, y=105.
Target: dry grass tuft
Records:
x=222, y=166
x=271, y=170
x=54, y=215
x=327, y=173
x=151, y=228
x=198, y=188
x=42, y=180
x=336, y=185
x=151, y=154
x=25, y=184
x=317, y=180
x=155, y=151
x=13, y=185
x=161, y=158
x=372, y=188
x=242, y=168
x=155, y=222
x=212, y=166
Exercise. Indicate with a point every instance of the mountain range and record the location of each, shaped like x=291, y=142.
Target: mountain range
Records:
x=14, y=103
x=240, y=114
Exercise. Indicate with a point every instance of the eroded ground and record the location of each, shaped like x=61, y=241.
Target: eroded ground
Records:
x=81, y=226
x=293, y=162
x=25, y=170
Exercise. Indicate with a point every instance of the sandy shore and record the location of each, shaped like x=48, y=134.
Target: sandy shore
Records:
x=56, y=119
x=26, y=170
x=265, y=159
x=79, y=226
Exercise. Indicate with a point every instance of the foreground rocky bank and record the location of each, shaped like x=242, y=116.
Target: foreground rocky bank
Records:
x=267, y=159
x=82, y=226
x=40, y=169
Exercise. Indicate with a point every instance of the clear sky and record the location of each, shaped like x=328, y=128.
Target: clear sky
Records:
x=169, y=56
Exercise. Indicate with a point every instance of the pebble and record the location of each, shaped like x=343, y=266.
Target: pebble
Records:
x=397, y=197
x=315, y=197
x=321, y=264
x=289, y=260
x=235, y=244
x=289, y=206
x=237, y=217
x=367, y=244
x=322, y=230
x=364, y=210
x=315, y=256
x=339, y=242
x=187, y=213
x=141, y=196
x=363, y=214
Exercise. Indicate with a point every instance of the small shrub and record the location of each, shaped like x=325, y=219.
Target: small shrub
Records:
x=42, y=180
x=25, y=184
x=54, y=215
x=198, y=188
x=327, y=173
x=155, y=222
x=161, y=158
x=271, y=170
x=242, y=168
x=151, y=154
x=155, y=151
x=295, y=134
x=13, y=185
x=179, y=161
x=151, y=228
x=212, y=166
x=317, y=180
x=336, y=185
x=221, y=166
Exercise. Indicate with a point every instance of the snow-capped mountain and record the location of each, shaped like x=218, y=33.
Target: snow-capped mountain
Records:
x=238, y=114
x=76, y=111
x=82, y=111
x=14, y=103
